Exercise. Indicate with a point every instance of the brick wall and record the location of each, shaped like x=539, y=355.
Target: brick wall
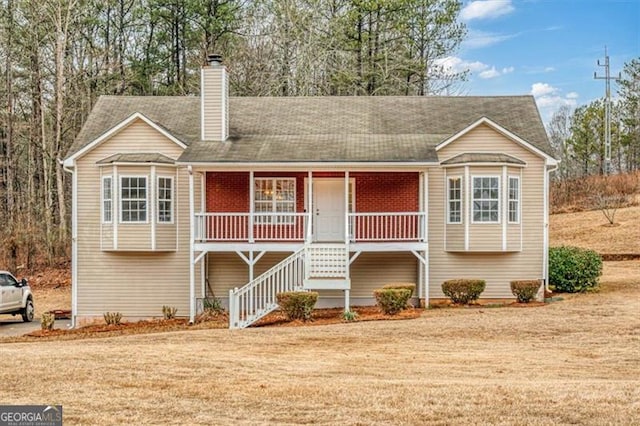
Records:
x=382, y=192
x=387, y=192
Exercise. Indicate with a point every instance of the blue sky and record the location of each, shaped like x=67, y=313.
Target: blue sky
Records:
x=547, y=48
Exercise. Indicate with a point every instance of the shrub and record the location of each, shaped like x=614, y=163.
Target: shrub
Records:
x=112, y=318
x=212, y=306
x=525, y=290
x=573, y=269
x=47, y=320
x=349, y=316
x=297, y=305
x=169, y=312
x=392, y=300
x=463, y=291
x=409, y=286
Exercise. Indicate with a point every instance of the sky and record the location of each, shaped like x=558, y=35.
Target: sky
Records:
x=546, y=48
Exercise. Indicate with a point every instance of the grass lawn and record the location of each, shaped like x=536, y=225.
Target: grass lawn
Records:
x=575, y=361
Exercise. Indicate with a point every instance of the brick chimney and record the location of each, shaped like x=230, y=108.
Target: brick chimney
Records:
x=214, y=100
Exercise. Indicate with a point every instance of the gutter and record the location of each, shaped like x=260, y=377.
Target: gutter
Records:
x=70, y=168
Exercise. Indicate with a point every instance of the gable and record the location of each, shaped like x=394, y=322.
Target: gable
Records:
x=136, y=133
x=487, y=136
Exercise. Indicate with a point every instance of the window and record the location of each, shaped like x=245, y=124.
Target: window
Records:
x=454, y=205
x=486, y=196
x=275, y=195
x=133, y=199
x=165, y=200
x=514, y=199
x=107, y=199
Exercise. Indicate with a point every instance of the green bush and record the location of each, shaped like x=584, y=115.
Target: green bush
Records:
x=350, y=316
x=525, y=290
x=408, y=286
x=463, y=291
x=573, y=269
x=392, y=300
x=297, y=305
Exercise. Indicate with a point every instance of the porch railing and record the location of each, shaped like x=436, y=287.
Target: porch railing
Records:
x=246, y=227
x=258, y=297
x=404, y=226
x=363, y=227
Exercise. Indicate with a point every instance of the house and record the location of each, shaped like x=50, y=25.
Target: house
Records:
x=178, y=199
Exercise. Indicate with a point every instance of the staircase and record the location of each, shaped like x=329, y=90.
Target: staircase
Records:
x=315, y=266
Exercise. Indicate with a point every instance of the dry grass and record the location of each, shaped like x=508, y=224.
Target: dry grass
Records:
x=591, y=230
x=48, y=299
x=571, y=362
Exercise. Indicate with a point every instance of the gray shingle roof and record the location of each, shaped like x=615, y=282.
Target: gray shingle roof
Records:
x=141, y=157
x=293, y=129
x=483, y=158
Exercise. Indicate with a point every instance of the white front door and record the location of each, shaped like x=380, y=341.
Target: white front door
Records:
x=328, y=206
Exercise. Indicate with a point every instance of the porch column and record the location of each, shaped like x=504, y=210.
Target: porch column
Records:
x=252, y=197
x=425, y=276
x=192, y=272
x=346, y=207
x=347, y=302
x=310, y=208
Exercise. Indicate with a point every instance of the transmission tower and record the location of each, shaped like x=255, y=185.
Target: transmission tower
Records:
x=607, y=109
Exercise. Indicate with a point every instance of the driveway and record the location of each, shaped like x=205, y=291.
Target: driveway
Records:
x=14, y=326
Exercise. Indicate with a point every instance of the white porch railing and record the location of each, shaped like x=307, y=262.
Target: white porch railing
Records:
x=247, y=227
x=327, y=261
x=258, y=298
x=387, y=226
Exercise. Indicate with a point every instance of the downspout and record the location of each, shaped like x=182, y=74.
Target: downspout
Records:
x=545, y=266
x=74, y=242
x=192, y=278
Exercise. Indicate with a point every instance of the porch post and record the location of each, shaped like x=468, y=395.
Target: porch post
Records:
x=192, y=272
x=346, y=207
x=346, y=301
x=252, y=197
x=310, y=208
x=425, y=275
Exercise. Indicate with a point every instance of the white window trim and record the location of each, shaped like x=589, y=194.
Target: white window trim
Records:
x=274, y=202
x=172, y=209
x=517, y=200
x=120, y=199
x=461, y=200
x=102, y=200
x=472, y=200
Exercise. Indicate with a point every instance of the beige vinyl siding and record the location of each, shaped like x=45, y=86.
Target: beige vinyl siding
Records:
x=496, y=268
x=107, y=236
x=213, y=90
x=136, y=284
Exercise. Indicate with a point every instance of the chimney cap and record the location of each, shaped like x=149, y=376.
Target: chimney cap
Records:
x=214, y=59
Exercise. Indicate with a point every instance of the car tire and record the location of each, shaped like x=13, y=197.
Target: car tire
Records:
x=28, y=311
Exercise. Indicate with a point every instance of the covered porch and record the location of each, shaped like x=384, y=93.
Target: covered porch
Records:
x=325, y=219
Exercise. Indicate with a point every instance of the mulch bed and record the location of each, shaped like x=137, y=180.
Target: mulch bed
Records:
x=334, y=316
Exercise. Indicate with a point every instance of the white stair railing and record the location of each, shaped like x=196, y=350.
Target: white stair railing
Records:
x=258, y=297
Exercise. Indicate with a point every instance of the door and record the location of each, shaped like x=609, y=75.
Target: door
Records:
x=10, y=293
x=329, y=209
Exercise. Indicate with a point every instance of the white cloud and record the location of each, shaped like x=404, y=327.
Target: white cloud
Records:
x=478, y=39
x=458, y=65
x=549, y=69
x=453, y=64
x=550, y=98
x=542, y=89
x=486, y=9
x=490, y=73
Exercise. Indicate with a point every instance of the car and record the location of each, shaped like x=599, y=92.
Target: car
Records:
x=16, y=297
